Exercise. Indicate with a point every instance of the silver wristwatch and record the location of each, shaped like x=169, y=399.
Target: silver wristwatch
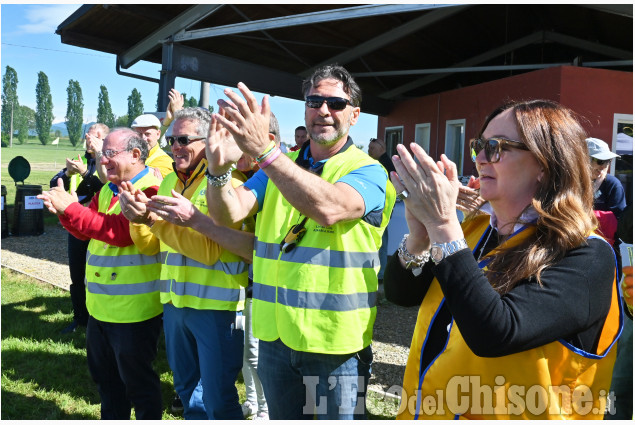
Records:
x=439, y=251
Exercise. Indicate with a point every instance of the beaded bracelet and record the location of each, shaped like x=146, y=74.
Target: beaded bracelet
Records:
x=218, y=181
x=268, y=151
x=414, y=262
x=271, y=158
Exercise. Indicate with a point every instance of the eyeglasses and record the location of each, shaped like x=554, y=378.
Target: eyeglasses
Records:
x=183, y=140
x=335, y=103
x=493, y=147
x=110, y=153
x=600, y=162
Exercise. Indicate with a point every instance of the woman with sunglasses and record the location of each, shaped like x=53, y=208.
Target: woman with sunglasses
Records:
x=519, y=308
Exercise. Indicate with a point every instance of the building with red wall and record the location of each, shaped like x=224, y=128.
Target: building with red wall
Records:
x=445, y=122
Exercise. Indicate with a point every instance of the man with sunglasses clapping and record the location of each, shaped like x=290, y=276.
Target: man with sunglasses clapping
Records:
x=321, y=214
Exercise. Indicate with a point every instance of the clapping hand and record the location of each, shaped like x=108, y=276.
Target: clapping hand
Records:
x=133, y=205
x=57, y=199
x=175, y=209
x=221, y=149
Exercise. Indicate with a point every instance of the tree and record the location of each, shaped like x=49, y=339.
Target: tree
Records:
x=122, y=121
x=44, y=108
x=24, y=120
x=104, y=110
x=74, y=112
x=192, y=103
x=9, y=97
x=135, y=106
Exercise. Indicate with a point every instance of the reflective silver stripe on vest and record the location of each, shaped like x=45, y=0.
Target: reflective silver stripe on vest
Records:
x=315, y=300
x=180, y=260
x=164, y=285
x=318, y=256
x=207, y=292
x=129, y=260
x=264, y=292
x=123, y=289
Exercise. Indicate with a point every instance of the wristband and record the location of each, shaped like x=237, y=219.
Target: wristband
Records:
x=218, y=181
x=268, y=151
x=271, y=158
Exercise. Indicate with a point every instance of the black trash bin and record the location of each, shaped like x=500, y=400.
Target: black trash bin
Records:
x=28, y=213
x=5, y=220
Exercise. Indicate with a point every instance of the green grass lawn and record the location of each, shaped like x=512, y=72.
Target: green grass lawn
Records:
x=44, y=373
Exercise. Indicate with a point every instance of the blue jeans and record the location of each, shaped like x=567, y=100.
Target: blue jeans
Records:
x=294, y=380
x=120, y=357
x=203, y=345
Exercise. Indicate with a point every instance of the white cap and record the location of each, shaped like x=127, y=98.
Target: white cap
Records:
x=599, y=149
x=146, y=120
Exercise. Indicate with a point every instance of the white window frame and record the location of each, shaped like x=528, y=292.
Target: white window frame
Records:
x=618, y=119
x=449, y=125
x=389, y=147
x=423, y=142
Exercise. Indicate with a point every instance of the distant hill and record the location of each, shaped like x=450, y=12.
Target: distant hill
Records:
x=61, y=126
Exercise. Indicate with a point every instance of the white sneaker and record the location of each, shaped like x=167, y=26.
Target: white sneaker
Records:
x=248, y=409
x=262, y=416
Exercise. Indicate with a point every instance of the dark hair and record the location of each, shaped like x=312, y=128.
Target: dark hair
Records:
x=335, y=72
x=303, y=128
x=564, y=198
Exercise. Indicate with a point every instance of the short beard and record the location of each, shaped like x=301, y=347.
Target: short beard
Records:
x=322, y=140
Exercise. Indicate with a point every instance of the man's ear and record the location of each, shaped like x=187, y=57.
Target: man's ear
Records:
x=355, y=115
x=136, y=155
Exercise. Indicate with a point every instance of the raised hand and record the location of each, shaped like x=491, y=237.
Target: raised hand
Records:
x=133, y=204
x=469, y=199
x=247, y=121
x=175, y=209
x=175, y=104
x=75, y=166
x=57, y=199
x=93, y=144
x=221, y=149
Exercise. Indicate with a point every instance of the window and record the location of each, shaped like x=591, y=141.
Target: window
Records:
x=422, y=136
x=455, y=142
x=394, y=136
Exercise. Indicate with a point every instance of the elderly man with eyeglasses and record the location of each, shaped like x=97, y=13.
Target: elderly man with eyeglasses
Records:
x=321, y=214
x=203, y=274
x=122, y=287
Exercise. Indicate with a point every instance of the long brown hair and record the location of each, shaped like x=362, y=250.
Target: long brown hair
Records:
x=564, y=199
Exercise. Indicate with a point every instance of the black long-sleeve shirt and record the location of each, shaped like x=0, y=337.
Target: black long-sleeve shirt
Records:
x=572, y=303
x=88, y=186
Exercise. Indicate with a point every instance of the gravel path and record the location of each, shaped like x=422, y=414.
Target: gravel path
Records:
x=44, y=257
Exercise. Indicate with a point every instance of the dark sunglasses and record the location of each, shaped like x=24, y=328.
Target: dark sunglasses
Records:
x=493, y=147
x=335, y=103
x=600, y=162
x=183, y=140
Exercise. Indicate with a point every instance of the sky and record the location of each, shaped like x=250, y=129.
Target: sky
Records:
x=30, y=45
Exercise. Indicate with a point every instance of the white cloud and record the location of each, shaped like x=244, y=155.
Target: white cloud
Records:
x=46, y=18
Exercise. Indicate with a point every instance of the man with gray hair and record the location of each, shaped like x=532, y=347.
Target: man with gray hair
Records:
x=321, y=214
x=122, y=287
x=201, y=281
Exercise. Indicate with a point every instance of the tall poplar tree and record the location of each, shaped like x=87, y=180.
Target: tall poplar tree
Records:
x=9, y=98
x=44, y=108
x=135, y=106
x=104, y=110
x=74, y=112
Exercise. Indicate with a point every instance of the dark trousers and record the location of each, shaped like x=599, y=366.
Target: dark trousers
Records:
x=77, y=265
x=120, y=357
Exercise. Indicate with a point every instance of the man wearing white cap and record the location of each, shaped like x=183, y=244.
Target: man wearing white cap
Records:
x=148, y=127
x=608, y=190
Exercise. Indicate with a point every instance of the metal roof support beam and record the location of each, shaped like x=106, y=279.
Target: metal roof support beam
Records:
x=616, y=9
x=490, y=54
x=199, y=65
x=306, y=19
x=602, y=49
x=485, y=68
x=186, y=19
x=389, y=36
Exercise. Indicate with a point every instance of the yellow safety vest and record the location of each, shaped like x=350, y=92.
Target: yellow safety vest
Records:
x=321, y=296
x=122, y=284
x=188, y=283
x=157, y=158
x=554, y=381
